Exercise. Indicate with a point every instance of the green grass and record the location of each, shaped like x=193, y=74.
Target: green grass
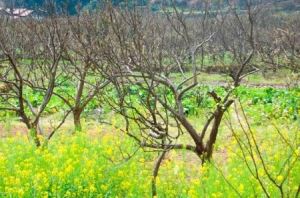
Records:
x=94, y=166
x=96, y=163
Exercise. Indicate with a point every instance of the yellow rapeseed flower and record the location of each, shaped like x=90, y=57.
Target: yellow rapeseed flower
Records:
x=104, y=187
x=241, y=188
x=279, y=178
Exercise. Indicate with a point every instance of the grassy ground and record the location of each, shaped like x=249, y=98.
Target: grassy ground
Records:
x=279, y=79
x=99, y=162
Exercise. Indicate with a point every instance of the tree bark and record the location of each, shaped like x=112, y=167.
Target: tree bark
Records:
x=214, y=133
x=77, y=119
x=34, y=136
x=155, y=172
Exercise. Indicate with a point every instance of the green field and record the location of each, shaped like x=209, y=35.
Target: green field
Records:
x=102, y=161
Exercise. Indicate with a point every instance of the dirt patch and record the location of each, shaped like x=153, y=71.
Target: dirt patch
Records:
x=12, y=129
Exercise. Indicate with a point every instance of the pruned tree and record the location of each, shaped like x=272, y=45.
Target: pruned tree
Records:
x=289, y=41
x=279, y=46
x=150, y=96
x=83, y=63
x=33, y=53
x=237, y=39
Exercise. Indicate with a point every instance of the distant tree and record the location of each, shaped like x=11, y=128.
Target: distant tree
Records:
x=279, y=43
x=66, y=6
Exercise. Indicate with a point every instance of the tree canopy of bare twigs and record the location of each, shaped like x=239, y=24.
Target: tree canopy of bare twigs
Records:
x=32, y=54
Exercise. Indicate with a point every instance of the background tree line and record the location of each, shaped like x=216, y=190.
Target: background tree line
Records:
x=73, y=6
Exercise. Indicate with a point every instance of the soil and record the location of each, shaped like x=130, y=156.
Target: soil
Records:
x=13, y=129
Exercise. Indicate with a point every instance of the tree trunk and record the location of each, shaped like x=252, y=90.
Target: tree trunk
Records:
x=213, y=134
x=77, y=120
x=215, y=128
x=34, y=136
x=155, y=172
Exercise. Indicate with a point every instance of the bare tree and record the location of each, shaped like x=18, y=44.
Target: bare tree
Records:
x=33, y=53
x=81, y=72
x=150, y=96
x=237, y=38
x=279, y=41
